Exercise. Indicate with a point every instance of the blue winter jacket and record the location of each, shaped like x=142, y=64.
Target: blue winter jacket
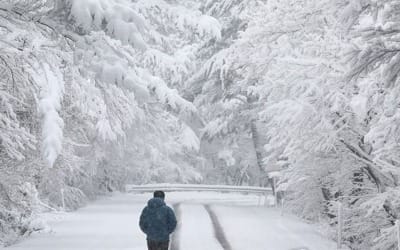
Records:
x=157, y=220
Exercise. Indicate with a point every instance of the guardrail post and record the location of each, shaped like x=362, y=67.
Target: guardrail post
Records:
x=275, y=192
x=266, y=194
x=398, y=233
x=259, y=199
x=340, y=225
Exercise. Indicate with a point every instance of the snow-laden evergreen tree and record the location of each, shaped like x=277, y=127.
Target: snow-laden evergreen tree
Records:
x=288, y=72
x=229, y=138
x=89, y=101
x=374, y=76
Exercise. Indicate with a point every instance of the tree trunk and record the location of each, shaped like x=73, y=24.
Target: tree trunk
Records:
x=258, y=152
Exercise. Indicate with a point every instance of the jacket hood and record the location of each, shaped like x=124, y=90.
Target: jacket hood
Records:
x=155, y=203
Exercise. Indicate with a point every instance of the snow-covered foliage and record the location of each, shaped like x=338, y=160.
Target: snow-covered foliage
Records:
x=314, y=85
x=91, y=98
x=98, y=93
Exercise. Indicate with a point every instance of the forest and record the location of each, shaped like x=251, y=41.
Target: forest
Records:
x=97, y=94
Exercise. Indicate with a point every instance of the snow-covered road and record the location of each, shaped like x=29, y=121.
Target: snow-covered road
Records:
x=112, y=224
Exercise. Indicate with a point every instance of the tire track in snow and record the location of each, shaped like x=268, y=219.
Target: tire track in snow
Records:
x=175, y=235
x=218, y=230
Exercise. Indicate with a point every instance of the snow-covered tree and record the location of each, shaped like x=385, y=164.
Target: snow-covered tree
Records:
x=89, y=100
x=98, y=93
x=288, y=71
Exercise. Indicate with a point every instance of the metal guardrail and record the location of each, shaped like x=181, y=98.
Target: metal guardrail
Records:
x=192, y=187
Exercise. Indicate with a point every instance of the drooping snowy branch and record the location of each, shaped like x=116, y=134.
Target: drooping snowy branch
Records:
x=51, y=83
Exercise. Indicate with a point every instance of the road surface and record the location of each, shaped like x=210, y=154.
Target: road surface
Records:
x=207, y=221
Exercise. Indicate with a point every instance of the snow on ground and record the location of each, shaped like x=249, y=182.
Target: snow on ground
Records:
x=258, y=228
x=202, y=238
x=214, y=198
x=111, y=223
x=108, y=224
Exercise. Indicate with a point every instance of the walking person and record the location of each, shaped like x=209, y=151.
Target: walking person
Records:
x=157, y=221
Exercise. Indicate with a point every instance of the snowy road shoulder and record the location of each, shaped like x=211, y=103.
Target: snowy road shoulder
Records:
x=110, y=223
x=258, y=228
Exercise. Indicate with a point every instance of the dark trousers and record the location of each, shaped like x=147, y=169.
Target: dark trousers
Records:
x=157, y=245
